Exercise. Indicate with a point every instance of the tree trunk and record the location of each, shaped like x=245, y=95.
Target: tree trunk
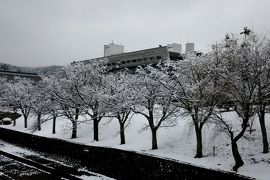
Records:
x=74, y=123
x=25, y=120
x=122, y=134
x=263, y=130
x=54, y=124
x=14, y=122
x=77, y=113
x=38, y=122
x=199, y=153
x=236, y=155
x=74, y=129
x=154, y=139
x=95, y=120
x=150, y=119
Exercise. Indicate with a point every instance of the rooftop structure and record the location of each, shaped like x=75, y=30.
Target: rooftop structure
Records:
x=190, y=48
x=174, y=47
x=112, y=49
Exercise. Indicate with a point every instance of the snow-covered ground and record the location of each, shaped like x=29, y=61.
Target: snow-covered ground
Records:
x=176, y=142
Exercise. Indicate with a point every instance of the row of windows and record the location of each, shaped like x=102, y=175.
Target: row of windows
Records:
x=134, y=60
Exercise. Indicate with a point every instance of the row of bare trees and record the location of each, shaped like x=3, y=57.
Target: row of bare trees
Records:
x=234, y=74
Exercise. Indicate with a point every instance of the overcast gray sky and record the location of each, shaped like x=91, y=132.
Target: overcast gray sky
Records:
x=47, y=32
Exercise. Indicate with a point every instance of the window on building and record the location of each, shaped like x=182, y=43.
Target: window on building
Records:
x=134, y=60
x=123, y=62
x=139, y=60
x=113, y=64
x=158, y=57
x=128, y=61
x=152, y=58
x=145, y=59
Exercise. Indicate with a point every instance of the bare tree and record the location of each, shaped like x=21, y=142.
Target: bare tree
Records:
x=19, y=95
x=239, y=77
x=41, y=104
x=2, y=91
x=261, y=53
x=153, y=101
x=192, y=84
x=90, y=90
x=62, y=87
x=119, y=101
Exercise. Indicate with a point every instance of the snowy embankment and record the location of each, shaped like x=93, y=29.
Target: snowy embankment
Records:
x=176, y=142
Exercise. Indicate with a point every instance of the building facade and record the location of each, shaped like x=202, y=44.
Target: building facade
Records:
x=141, y=57
x=10, y=75
x=137, y=58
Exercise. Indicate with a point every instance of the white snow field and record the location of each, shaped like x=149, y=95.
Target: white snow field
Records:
x=177, y=142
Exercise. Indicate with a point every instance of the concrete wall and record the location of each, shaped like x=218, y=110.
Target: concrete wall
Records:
x=116, y=163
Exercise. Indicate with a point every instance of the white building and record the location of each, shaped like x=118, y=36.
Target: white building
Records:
x=189, y=48
x=112, y=49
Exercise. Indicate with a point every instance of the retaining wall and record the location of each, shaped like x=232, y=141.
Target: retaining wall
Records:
x=116, y=163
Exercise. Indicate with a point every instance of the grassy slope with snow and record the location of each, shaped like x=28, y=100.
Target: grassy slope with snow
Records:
x=176, y=142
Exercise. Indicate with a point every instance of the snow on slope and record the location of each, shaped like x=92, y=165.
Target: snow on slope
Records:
x=176, y=142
